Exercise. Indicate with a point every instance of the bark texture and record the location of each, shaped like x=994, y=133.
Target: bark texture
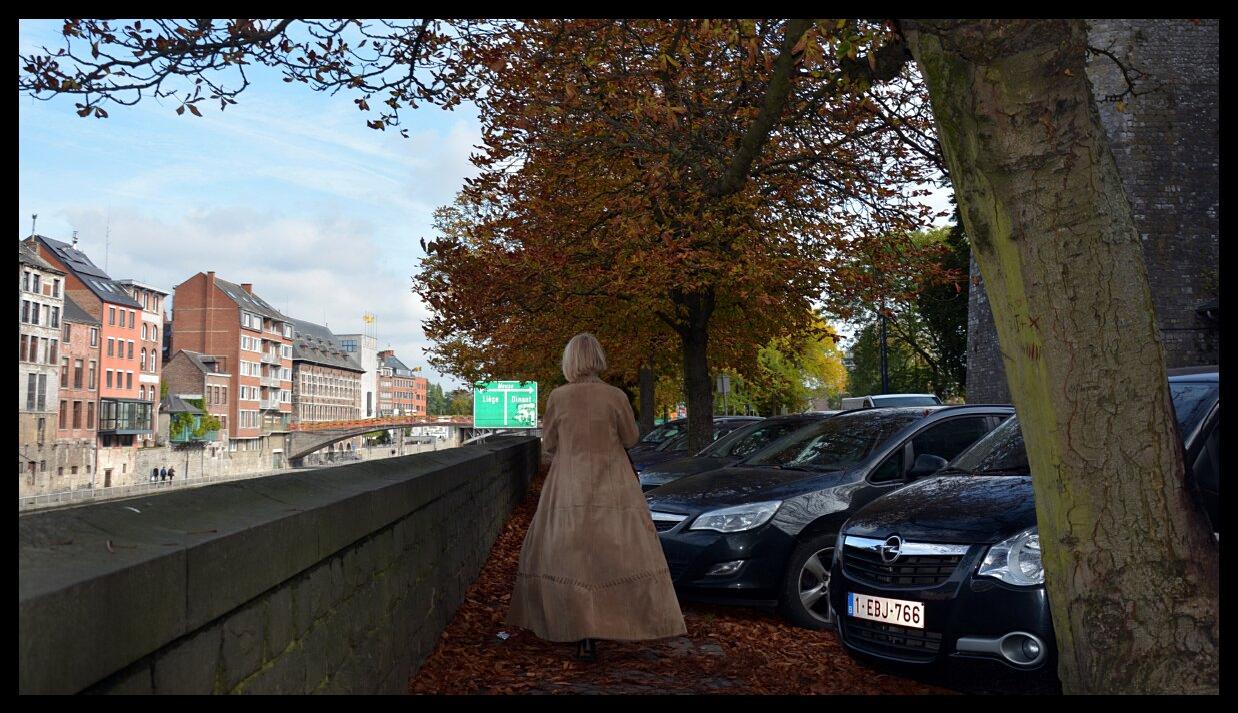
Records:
x=1131, y=567
x=646, y=399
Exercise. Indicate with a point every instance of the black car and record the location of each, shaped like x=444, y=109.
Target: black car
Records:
x=949, y=568
x=763, y=530
x=729, y=449
x=660, y=435
x=677, y=447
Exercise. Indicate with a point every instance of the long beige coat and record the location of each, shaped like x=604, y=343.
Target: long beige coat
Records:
x=591, y=565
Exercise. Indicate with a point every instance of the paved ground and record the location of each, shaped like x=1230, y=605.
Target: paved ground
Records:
x=727, y=650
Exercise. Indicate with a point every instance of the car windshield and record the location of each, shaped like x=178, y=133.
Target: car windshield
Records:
x=664, y=432
x=750, y=439
x=1002, y=450
x=678, y=443
x=835, y=443
x=1191, y=402
x=880, y=401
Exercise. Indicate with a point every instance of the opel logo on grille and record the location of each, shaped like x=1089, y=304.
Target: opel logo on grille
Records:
x=890, y=549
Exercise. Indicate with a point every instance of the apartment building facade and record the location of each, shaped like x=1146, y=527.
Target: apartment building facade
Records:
x=326, y=380
x=40, y=303
x=213, y=316
x=395, y=386
x=76, y=427
x=150, y=345
x=124, y=419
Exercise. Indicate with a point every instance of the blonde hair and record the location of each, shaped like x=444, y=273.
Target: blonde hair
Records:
x=582, y=357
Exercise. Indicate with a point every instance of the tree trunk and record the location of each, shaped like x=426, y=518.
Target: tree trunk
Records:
x=699, y=387
x=646, y=398
x=1130, y=564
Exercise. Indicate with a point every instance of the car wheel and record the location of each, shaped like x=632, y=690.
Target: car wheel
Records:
x=805, y=598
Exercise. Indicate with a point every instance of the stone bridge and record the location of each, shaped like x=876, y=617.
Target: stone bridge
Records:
x=305, y=438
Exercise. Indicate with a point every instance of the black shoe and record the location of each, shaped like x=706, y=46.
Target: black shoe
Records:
x=587, y=650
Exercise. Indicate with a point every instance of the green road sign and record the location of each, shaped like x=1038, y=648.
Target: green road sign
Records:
x=505, y=404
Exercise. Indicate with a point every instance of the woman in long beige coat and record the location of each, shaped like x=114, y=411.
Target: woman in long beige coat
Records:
x=591, y=566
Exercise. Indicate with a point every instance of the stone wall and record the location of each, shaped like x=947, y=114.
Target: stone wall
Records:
x=1166, y=145
x=338, y=580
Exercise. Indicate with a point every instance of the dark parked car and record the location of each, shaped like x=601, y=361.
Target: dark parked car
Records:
x=677, y=447
x=660, y=435
x=763, y=530
x=729, y=449
x=949, y=567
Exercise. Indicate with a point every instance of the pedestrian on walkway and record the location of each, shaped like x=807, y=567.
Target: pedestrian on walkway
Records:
x=592, y=566
x=163, y=474
x=171, y=473
x=154, y=474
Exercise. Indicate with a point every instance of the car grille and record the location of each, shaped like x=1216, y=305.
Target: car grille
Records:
x=892, y=640
x=663, y=525
x=908, y=570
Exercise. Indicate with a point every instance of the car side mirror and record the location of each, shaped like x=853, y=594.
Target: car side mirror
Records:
x=926, y=464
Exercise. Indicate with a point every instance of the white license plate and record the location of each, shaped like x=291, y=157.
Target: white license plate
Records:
x=890, y=611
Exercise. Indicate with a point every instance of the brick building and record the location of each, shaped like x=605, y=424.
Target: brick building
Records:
x=326, y=380
x=395, y=386
x=192, y=375
x=1166, y=145
x=40, y=303
x=150, y=346
x=123, y=417
x=213, y=316
x=76, y=428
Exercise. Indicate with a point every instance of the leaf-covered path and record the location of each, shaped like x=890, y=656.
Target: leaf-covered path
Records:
x=727, y=649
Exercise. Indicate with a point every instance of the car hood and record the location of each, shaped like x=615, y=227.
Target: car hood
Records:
x=648, y=457
x=735, y=485
x=950, y=509
x=680, y=467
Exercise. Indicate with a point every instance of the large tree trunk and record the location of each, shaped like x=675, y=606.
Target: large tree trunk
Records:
x=1131, y=566
x=646, y=398
x=694, y=335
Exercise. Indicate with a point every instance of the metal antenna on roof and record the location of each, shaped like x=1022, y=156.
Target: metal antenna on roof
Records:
x=74, y=238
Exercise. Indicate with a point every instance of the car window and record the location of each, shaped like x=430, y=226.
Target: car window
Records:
x=949, y=438
x=905, y=401
x=1191, y=403
x=890, y=470
x=761, y=437
x=678, y=443
x=836, y=443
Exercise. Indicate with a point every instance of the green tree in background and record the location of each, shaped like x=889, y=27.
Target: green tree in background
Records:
x=792, y=372
x=926, y=332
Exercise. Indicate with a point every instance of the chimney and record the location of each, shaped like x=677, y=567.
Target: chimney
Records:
x=248, y=287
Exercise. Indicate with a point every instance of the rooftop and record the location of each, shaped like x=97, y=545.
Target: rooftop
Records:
x=316, y=344
x=96, y=280
x=73, y=312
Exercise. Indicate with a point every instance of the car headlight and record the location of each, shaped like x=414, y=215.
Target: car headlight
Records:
x=738, y=518
x=1015, y=560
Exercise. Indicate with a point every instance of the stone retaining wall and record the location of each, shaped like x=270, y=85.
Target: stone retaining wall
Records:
x=338, y=580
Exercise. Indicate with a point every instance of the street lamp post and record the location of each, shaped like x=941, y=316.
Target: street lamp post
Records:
x=885, y=377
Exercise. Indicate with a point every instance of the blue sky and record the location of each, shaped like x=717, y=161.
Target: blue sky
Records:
x=288, y=189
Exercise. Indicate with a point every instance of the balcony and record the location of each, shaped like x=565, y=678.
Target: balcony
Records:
x=274, y=424
x=270, y=381
x=269, y=358
x=269, y=404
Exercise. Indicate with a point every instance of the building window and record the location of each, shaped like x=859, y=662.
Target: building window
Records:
x=52, y=355
x=111, y=346
x=64, y=372
x=55, y=288
x=64, y=414
x=132, y=319
x=90, y=420
x=22, y=347
x=77, y=414
x=94, y=336
x=25, y=311
x=31, y=384
x=154, y=333
x=142, y=392
x=34, y=312
x=91, y=384
x=108, y=378
x=128, y=379
x=77, y=372
x=42, y=392
x=111, y=315
x=55, y=316
x=25, y=280
x=36, y=281
x=68, y=331
x=73, y=470
x=130, y=350
x=142, y=363
x=143, y=331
